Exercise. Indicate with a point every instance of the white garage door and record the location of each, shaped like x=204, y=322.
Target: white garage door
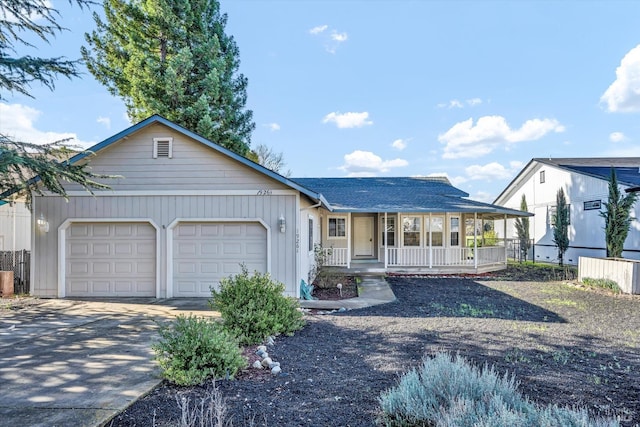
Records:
x=204, y=253
x=110, y=259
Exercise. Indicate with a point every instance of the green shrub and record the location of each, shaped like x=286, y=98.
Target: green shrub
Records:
x=254, y=307
x=602, y=283
x=192, y=349
x=448, y=392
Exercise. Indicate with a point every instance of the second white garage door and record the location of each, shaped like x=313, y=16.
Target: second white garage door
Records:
x=205, y=253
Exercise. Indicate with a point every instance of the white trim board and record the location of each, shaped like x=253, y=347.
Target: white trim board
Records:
x=257, y=192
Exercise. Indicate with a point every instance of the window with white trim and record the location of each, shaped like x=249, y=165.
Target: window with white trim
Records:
x=455, y=231
x=411, y=230
x=437, y=231
x=162, y=147
x=542, y=177
x=337, y=228
x=391, y=230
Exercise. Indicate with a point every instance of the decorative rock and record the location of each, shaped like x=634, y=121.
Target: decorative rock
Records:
x=266, y=361
x=273, y=365
x=262, y=354
x=271, y=340
x=261, y=348
x=257, y=364
x=276, y=370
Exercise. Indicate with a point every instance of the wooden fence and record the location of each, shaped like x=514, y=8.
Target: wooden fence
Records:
x=18, y=262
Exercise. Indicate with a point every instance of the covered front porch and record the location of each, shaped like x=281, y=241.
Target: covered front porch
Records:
x=412, y=243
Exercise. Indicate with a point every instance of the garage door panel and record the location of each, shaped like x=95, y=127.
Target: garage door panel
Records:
x=220, y=249
x=110, y=259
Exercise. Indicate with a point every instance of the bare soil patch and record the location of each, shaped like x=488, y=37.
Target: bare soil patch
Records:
x=565, y=344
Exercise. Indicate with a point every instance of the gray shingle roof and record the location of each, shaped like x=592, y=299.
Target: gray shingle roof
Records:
x=398, y=194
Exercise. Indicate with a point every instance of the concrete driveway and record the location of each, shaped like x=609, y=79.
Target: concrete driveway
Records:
x=70, y=362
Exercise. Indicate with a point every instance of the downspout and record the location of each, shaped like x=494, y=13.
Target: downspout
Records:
x=349, y=240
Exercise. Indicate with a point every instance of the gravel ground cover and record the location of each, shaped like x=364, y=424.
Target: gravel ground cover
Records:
x=567, y=345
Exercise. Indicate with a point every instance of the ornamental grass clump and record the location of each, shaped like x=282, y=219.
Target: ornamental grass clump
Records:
x=446, y=391
x=193, y=349
x=254, y=307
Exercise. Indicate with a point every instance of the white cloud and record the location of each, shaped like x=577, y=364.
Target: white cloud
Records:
x=273, y=127
x=399, y=144
x=332, y=39
x=464, y=139
x=624, y=93
x=631, y=151
x=106, y=121
x=489, y=172
x=348, y=120
x=319, y=29
x=454, y=103
x=617, y=137
x=339, y=37
x=18, y=121
x=483, y=196
x=366, y=163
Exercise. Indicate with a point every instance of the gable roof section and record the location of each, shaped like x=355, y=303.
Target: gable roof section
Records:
x=399, y=194
x=159, y=119
x=627, y=169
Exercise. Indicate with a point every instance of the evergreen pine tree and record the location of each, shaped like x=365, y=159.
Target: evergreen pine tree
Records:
x=561, y=225
x=522, y=229
x=617, y=217
x=20, y=161
x=173, y=58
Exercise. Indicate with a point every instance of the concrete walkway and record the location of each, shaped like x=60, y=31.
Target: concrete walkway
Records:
x=78, y=363
x=373, y=290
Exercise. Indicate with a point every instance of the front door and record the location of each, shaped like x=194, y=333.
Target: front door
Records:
x=363, y=236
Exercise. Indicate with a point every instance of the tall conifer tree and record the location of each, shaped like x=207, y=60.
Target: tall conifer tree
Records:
x=561, y=225
x=617, y=217
x=522, y=229
x=173, y=58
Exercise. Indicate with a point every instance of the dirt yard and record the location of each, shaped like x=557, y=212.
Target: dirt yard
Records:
x=566, y=345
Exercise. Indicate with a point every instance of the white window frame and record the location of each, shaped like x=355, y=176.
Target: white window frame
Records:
x=404, y=245
x=336, y=237
x=451, y=231
x=390, y=218
x=169, y=141
x=429, y=230
x=311, y=240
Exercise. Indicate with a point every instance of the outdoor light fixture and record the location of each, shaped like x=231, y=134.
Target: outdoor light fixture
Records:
x=282, y=224
x=43, y=224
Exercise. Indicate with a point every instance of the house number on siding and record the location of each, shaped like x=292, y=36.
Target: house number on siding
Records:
x=265, y=192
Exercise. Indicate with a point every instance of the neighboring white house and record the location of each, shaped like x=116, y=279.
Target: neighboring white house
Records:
x=186, y=213
x=15, y=227
x=585, y=183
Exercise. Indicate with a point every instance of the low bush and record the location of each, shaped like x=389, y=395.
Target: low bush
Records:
x=449, y=392
x=192, y=349
x=602, y=283
x=254, y=307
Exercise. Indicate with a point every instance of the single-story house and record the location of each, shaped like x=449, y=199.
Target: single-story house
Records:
x=585, y=182
x=186, y=212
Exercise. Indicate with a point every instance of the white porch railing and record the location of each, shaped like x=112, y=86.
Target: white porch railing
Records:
x=335, y=256
x=420, y=257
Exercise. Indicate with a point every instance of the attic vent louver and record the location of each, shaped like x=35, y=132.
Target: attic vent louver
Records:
x=162, y=147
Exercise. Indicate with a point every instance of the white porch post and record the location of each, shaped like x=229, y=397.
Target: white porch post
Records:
x=386, y=242
x=430, y=246
x=475, y=240
x=505, y=239
x=349, y=240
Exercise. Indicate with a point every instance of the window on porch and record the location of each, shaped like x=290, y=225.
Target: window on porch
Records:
x=391, y=230
x=411, y=230
x=455, y=231
x=337, y=227
x=437, y=231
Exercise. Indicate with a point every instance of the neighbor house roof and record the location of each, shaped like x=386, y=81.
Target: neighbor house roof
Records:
x=399, y=194
x=627, y=169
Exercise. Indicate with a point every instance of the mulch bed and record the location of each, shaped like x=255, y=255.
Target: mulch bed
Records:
x=566, y=345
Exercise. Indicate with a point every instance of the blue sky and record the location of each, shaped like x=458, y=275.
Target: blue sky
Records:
x=472, y=90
